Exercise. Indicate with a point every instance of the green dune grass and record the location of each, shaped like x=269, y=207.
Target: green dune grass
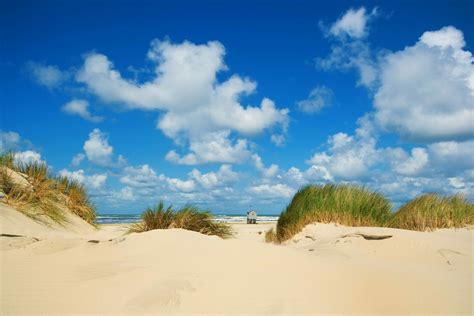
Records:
x=189, y=217
x=344, y=204
x=432, y=211
x=45, y=194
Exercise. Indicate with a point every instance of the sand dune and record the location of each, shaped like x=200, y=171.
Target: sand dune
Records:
x=324, y=269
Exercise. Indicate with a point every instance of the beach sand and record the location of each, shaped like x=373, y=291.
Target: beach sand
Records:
x=324, y=269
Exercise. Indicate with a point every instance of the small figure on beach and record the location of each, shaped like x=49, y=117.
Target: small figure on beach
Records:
x=251, y=217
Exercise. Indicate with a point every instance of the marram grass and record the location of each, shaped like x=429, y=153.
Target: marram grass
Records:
x=432, y=211
x=344, y=204
x=270, y=236
x=189, y=217
x=77, y=198
x=7, y=159
x=45, y=194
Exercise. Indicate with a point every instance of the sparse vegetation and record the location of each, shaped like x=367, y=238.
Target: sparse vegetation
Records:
x=33, y=190
x=7, y=159
x=431, y=211
x=189, y=217
x=270, y=236
x=78, y=200
x=344, y=204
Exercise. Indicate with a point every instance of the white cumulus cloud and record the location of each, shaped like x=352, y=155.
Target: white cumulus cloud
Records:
x=272, y=191
x=47, y=75
x=28, y=156
x=414, y=164
x=94, y=181
x=213, y=148
x=140, y=177
x=81, y=109
x=98, y=150
x=353, y=23
x=427, y=90
x=267, y=173
x=208, y=108
x=319, y=98
x=9, y=140
x=223, y=176
x=77, y=159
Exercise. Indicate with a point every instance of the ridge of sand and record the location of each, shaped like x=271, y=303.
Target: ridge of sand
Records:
x=16, y=223
x=182, y=272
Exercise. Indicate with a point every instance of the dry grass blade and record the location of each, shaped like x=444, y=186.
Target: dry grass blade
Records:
x=270, y=236
x=7, y=159
x=42, y=194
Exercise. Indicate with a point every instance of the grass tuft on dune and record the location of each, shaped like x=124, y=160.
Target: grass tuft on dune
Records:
x=33, y=190
x=270, y=236
x=344, y=204
x=432, y=211
x=78, y=200
x=189, y=217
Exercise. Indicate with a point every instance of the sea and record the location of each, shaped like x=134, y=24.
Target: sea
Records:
x=133, y=218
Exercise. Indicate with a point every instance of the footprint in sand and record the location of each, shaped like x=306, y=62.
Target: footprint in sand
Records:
x=451, y=256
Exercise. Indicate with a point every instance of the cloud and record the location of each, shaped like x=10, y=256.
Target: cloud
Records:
x=209, y=109
x=444, y=167
x=9, y=141
x=77, y=159
x=222, y=177
x=423, y=93
x=452, y=157
x=350, y=50
x=414, y=164
x=181, y=185
x=444, y=38
x=140, y=177
x=427, y=90
x=126, y=194
x=98, y=150
x=27, y=157
x=353, y=23
x=12, y=141
x=266, y=173
x=94, y=181
x=49, y=76
x=269, y=191
x=213, y=148
x=348, y=157
x=278, y=139
x=80, y=108
x=457, y=182
x=314, y=174
x=319, y=98
x=145, y=179
x=197, y=187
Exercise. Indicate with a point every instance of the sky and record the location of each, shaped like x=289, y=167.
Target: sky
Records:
x=235, y=105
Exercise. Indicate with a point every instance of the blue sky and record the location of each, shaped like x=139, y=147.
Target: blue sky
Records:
x=236, y=104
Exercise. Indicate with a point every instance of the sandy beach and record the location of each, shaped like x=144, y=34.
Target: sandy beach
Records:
x=324, y=269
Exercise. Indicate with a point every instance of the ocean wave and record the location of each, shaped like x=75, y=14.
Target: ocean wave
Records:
x=243, y=218
x=133, y=218
x=118, y=219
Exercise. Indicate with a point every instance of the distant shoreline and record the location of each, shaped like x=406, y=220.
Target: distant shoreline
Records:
x=104, y=219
